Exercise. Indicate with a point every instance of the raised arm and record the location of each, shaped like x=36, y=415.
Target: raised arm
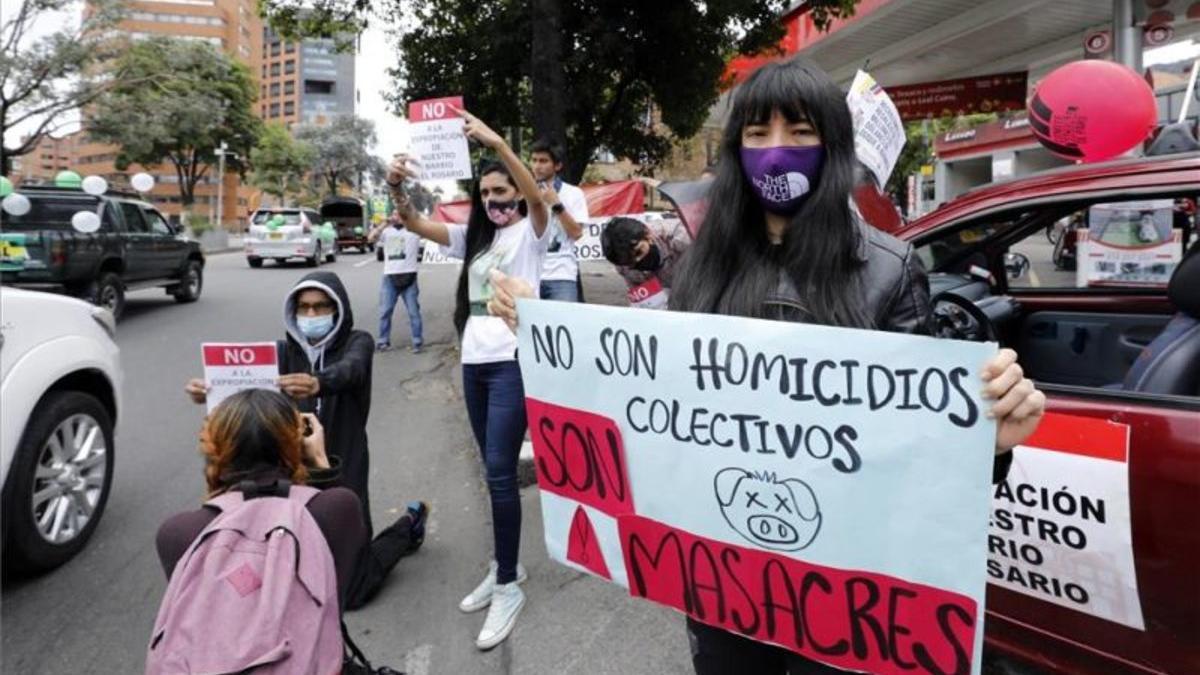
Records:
x=475, y=129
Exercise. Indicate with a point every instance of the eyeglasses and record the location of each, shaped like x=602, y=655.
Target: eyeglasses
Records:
x=323, y=307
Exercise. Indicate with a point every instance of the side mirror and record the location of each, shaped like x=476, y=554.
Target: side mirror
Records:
x=1016, y=265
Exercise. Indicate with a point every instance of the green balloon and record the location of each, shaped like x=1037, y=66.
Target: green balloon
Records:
x=6, y=187
x=275, y=222
x=68, y=179
x=358, y=230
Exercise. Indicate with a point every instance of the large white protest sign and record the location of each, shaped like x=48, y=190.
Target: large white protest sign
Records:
x=233, y=367
x=1129, y=244
x=438, y=142
x=806, y=486
x=878, y=132
x=1060, y=529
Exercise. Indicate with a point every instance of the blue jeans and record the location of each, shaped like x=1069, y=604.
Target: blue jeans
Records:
x=555, y=289
x=388, y=295
x=495, y=398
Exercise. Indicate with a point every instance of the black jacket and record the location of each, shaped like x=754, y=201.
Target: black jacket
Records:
x=895, y=289
x=342, y=363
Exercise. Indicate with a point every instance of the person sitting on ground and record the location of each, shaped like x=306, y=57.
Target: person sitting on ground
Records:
x=645, y=255
x=255, y=437
x=325, y=366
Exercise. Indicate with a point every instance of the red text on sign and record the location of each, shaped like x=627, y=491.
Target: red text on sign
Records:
x=851, y=619
x=580, y=455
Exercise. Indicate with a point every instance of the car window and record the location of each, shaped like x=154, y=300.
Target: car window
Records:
x=111, y=220
x=48, y=213
x=289, y=217
x=1124, y=244
x=948, y=252
x=157, y=224
x=133, y=218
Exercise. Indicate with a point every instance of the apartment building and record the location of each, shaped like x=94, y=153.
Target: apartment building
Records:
x=305, y=82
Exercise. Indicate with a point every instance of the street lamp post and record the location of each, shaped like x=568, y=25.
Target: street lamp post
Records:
x=221, y=152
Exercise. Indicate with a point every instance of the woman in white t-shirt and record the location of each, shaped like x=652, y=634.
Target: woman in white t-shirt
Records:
x=506, y=231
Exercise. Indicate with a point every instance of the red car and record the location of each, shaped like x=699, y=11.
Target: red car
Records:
x=1094, y=553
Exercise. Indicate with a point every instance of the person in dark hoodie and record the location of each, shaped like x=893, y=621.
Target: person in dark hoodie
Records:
x=325, y=366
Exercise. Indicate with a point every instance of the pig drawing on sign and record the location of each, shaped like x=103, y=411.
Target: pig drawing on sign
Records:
x=781, y=515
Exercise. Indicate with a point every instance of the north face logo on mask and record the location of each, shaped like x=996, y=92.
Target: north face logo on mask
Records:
x=782, y=188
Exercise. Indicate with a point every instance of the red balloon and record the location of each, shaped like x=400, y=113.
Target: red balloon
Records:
x=1092, y=110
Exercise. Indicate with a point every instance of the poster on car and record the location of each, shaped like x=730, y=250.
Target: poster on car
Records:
x=1060, y=528
x=748, y=473
x=232, y=367
x=1129, y=244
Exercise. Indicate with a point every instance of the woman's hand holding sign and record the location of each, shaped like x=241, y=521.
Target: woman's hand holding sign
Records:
x=1019, y=404
x=504, y=301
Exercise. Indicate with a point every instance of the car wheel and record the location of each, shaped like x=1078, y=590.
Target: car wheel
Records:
x=191, y=283
x=255, y=262
x=315, y=259
x=59, y=481
x=108, y=292
x=332, y=257
x=379, y=254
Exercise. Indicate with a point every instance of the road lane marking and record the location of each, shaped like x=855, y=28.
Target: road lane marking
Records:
x=364, y=262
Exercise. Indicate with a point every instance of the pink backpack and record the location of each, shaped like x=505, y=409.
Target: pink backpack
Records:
x=256, y=590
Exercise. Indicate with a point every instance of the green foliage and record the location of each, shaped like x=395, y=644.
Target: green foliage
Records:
x=279, y=162
x=182, y=99
x=636, y=75
x=42, y=77
x=918, y=150
x=341, y=151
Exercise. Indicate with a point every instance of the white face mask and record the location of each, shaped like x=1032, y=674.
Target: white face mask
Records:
x=314, y=327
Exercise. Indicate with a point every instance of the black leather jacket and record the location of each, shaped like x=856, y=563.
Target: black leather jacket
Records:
x=892, y=280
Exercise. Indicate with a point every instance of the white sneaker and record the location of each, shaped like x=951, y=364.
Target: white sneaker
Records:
x=481, y=597
x=507, y=601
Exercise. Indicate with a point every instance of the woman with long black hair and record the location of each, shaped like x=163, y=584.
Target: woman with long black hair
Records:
x=782, y=241
x=506, y=231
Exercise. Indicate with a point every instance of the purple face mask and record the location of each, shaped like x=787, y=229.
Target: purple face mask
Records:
x=783, y=177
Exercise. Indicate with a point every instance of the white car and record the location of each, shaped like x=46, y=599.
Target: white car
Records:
x=282, y=234
x=60, y=383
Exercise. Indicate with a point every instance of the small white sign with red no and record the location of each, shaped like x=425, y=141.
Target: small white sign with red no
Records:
x=233, y=367
x=438, y=142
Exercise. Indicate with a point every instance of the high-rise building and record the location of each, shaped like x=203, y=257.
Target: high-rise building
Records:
x=231, y=25
x=305, y=82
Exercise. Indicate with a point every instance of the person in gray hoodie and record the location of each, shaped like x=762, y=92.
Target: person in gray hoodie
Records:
x=325, y=366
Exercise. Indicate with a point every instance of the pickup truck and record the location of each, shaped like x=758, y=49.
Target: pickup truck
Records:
x=133, y=249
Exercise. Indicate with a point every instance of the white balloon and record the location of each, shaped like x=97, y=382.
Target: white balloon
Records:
x=142, y=182
x=85, y=222
x=95, y=185
x=16, y=204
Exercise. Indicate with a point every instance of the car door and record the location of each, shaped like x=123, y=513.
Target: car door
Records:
x=170, y=250
x=1123, y=595
x=140, y=250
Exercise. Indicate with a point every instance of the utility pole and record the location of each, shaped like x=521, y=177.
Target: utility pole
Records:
x=221, y=152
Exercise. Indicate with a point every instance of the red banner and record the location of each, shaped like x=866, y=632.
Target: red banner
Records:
x=949, y=98
x=856, y=620
x=603, y=199
x=256, y=354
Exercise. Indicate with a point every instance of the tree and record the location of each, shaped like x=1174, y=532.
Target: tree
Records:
x=183, y=99
x=918, y=147
x=44, y=79
x=279, y=162
x=624, y=75
x=342, y=151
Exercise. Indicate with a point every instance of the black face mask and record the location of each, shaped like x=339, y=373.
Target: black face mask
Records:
x=649, y=262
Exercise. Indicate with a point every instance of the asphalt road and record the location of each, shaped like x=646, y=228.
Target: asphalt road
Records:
x=95, y=614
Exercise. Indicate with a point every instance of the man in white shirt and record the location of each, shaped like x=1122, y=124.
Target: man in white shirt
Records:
x=401, y=254
x=568, y=210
